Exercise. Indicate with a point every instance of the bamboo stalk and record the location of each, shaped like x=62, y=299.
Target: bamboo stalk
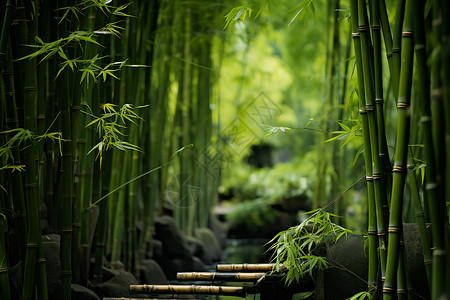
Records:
x=421, y=223
x=66, y=192
x=188, y=289
x=372, y=226
x=395, y=220
x=5, y=291
x=16, y=180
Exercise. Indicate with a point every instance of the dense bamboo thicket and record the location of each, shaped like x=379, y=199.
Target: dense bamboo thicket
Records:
x=104, y=107
x=112, y=114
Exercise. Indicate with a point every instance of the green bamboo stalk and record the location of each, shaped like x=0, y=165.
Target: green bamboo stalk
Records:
x=387, y=36
x=151, y=10
x=436, y=197
x=102, y=226
x=379, y=101
x=66, y=192
x=5, y=291
x=395, y=219
x=402, y=286
x=432, y=187
x=437, y=105
x=372, y=226
x=91, y=103
x=27, y=25
x=421, y=223
x=380, y=192
x=396, y=46
x=15, y=178
x=118, y=230
x=445, y=54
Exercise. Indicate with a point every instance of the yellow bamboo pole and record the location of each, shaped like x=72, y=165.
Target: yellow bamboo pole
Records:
x=237, y=291
x=232, y=276
x=247, y=267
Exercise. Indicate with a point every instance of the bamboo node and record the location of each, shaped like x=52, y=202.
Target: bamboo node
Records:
x=395, y=50
x=41, y=260
x=437, y=92
x=375, y=27
x=388, y=290
x=428, y=262
x=407, y=34
x=394, y=229
x=424, y=119
x=376, y=176
x=372, y=232
x=66, y=230
x=30, y=185
x=439, y=252
x=369, y=178
x=363, y=28
x=431, y=186
x=399, y=169
x=402, y=291
x=355, y=34
x=389, y=55
x=370, y=107
x=379, y=101
x=29, y=89
x=401, y=105
x=382, y=233
x=419, y=47
x=383, y=278
x=362, y=111
x=3, y=270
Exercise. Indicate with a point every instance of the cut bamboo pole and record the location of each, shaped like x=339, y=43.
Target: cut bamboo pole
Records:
x=228, y=276
x=189, y=289
x=248, y=267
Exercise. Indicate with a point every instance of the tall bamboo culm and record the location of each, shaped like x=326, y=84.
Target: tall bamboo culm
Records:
x=399, y=169
x=372, y=226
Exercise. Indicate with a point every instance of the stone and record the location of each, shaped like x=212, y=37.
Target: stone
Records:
x=173, y=240
x=211, y=251
x=346, y=273
x=172, y=266
x=51, y=245
x=151, y=273
x=116, y=284
x=414, y=260
x=82, y=293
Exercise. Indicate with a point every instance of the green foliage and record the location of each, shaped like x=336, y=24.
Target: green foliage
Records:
x=302, y=10
x=364, y=295
x=255, y=191
x=17, y=138
x=253, y=214
x=238, y=13
x=294, y=247
x=111, y=126
x=348, y=132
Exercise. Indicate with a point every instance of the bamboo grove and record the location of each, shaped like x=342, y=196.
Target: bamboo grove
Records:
x=414, y=50
x=105, y=117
